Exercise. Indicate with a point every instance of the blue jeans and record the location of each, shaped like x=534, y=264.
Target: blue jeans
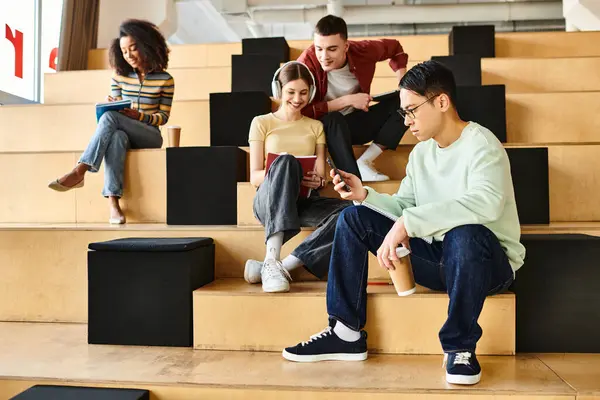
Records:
x=469, y=265
x=115, y=134
x=277, y=207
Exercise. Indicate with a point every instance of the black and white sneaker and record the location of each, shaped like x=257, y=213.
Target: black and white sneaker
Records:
x=462, y=368
x=325, y=346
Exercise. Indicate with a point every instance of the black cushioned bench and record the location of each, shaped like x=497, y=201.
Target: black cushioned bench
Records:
x=140, y=289
x=51, y=392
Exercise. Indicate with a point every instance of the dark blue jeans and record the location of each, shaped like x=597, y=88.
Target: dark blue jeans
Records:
x=469, y=265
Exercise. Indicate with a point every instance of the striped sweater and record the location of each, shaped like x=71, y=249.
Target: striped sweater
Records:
x=152, y=98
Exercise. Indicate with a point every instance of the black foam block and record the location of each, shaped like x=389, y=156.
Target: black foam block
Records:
x=465, y=67
x=558, y=293
x=478, y=40
x=485, y=105
x=231, y=115
x=53, y=392
x=202, y=184
x=529, y=170
x=143, y=296
x=273, y=46
x=253, y=72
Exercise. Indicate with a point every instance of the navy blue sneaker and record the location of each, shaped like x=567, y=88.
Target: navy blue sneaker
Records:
x=462, y=368
x=325, y=346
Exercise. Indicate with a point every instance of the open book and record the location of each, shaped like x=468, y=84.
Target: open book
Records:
x=308, y=164
x=101, y=108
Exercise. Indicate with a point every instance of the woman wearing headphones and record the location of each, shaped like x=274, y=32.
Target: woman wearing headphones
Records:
x=277, y=204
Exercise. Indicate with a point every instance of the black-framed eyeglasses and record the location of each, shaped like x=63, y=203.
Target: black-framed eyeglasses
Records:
x=410, y=112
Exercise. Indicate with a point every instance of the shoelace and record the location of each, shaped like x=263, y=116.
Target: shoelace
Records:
x=274, y=269
x=322, y=334
x=461, y=358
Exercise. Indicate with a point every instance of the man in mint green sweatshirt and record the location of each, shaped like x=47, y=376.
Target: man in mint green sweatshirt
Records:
x=455, y=210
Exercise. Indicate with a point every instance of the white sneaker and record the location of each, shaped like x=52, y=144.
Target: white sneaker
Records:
x=369, y=173
x=275, y=278
x=252, y=271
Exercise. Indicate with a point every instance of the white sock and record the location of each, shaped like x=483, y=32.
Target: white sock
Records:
x=372, y=152
x=345, y=333
x=274, y=243
x=290, y=263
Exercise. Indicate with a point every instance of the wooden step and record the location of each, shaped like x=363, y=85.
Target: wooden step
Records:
x=552, y=117
x=31, y=128
x=547, y=44
x=522, y=75
x=219, y=55
x=519, y=75
x=190, y=84
x=418, y=47
x=181, y=56
x=581, y=371
x=28, y=198
x=231, y=314
x=531, y=118
x=574, y=193
x=59, y=354
x=44, y=266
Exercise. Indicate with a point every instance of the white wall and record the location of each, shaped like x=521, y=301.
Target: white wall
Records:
x=113, y=12
x=582, y=15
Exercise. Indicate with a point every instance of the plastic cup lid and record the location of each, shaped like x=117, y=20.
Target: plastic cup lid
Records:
x=402, y=251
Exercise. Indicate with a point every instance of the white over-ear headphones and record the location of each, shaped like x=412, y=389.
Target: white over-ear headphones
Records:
x=276, y=85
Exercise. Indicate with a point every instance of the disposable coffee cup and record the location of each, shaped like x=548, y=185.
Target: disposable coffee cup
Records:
x=174, y=135
x=402, y=277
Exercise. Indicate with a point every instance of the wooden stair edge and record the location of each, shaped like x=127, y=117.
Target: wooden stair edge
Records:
x=532, y=378
x=239, y=287
x=357, y=148
x=552, y=228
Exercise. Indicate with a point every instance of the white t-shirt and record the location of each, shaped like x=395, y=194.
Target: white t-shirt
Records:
x=341, y=82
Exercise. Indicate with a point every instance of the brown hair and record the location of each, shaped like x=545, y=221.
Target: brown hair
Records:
x=331, y=25
x=295, y=71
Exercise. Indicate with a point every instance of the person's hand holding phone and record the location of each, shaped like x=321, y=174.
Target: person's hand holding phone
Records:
x=348, y=185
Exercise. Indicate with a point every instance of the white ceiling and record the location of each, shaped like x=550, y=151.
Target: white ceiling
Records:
x=200, y=21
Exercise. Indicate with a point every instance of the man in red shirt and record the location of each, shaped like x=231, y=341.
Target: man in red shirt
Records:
x=344, y=72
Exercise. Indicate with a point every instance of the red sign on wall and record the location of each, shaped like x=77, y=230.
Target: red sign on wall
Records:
x=21, y=42
x=16, y=39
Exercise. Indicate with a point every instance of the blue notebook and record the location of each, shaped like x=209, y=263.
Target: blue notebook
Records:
x=101, y=108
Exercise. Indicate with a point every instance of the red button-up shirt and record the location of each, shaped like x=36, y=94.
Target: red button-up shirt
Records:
x=362, y=57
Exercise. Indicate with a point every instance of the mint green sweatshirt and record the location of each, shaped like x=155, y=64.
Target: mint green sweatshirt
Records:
x=468, y=182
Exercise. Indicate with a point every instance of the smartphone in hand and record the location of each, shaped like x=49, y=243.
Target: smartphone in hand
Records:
x=337, y=172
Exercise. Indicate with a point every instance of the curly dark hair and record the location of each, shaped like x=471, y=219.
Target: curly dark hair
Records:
x=151, y=45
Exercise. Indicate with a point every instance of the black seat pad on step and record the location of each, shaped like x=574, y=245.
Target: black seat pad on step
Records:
x=152, y=244
x=51, y=392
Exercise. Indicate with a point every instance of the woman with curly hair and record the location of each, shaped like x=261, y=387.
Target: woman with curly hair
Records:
x=139, y=57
